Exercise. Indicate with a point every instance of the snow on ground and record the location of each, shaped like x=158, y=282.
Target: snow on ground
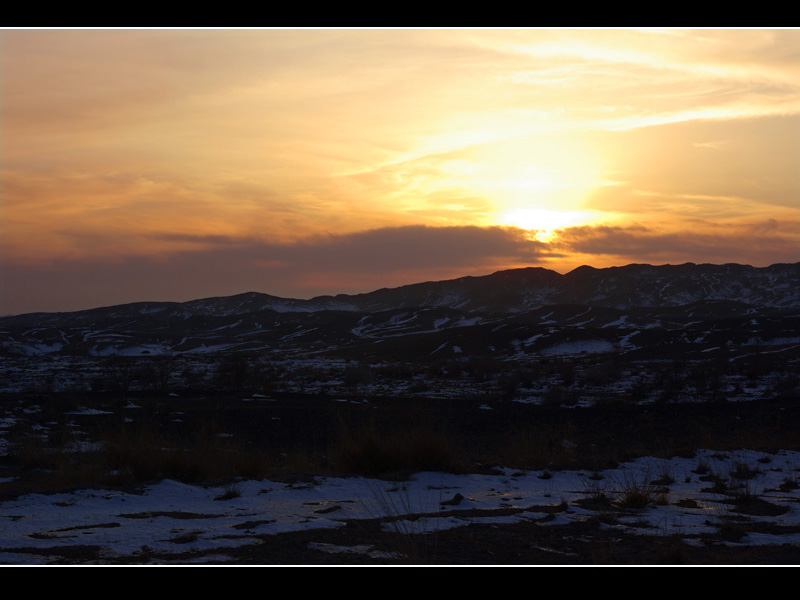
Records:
x=570, y=348
x=172, y=517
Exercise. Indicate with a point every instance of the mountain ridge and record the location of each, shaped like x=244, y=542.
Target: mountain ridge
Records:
x=581, y=285
x=508, y=291
x=670, y=309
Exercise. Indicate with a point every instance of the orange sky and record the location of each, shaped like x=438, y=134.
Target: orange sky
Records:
x=177, y=164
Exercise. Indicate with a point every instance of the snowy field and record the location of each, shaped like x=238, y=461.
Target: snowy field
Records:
x=690, y=497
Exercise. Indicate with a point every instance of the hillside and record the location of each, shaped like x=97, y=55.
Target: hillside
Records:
x=630, y=415
x=628, y=308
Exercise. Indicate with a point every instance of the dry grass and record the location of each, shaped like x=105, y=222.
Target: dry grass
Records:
x=406, y=539
x=743, y=471
x=532, y=450
x=230, y=492
x=368, y=450
x=633, y=492
x=144, y=453
x=136, y=453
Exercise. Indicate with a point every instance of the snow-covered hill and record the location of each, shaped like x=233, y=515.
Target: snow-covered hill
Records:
x=529, y=310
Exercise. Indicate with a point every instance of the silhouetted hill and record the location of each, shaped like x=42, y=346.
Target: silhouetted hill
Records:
x=518, y=290
x=529, y=309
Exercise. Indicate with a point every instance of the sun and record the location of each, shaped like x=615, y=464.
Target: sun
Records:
x=539, y=184
x=543, y=223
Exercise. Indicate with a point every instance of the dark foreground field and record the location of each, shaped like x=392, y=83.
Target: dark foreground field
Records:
x=128, y=443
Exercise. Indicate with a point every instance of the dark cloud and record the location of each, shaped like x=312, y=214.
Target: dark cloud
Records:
x=413, y=247
x=346, y=263
x=214, y=240
x=756, y=244
x=218, y=265
x=770, y=226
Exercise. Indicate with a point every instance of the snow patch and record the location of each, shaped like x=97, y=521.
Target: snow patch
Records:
x=588, y=346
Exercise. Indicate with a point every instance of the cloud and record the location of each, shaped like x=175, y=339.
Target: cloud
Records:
x=160, y=164
x=758, y=244
x=414, y=247
x=220, y=265
x=388, y=249
x=770, y=226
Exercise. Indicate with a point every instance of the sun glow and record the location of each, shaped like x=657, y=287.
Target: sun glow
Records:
x=297, y=160
x=539, y=183
x=544, y=223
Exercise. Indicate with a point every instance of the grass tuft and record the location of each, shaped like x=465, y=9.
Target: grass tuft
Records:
x=230, y=492
x=742, y=471
x=636, y=493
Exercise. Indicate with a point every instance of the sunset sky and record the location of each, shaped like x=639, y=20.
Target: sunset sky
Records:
x=156, y=164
